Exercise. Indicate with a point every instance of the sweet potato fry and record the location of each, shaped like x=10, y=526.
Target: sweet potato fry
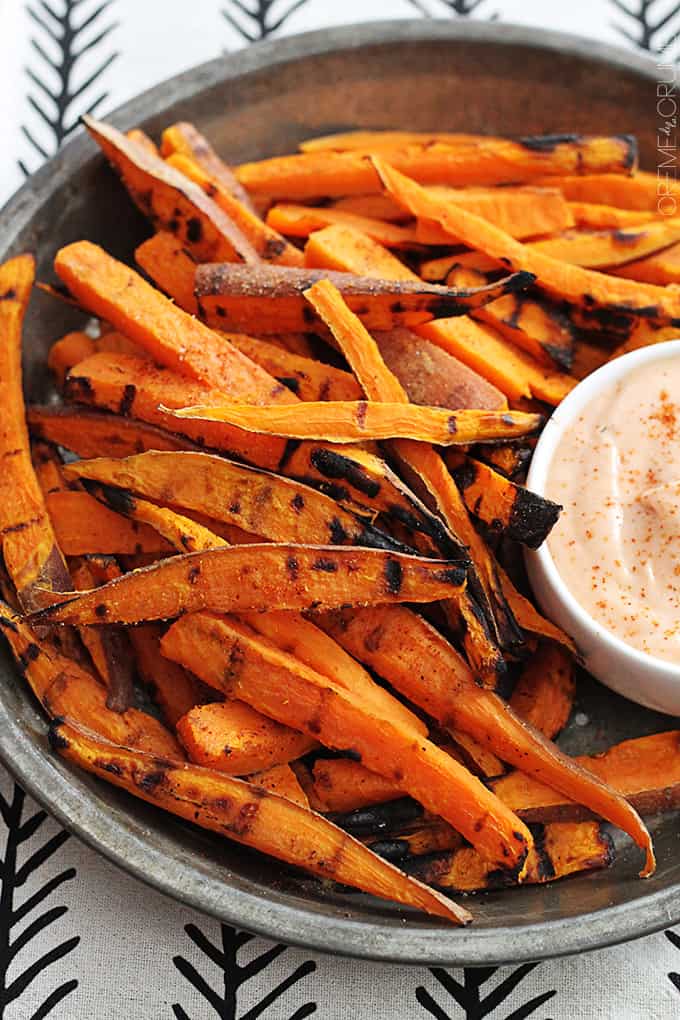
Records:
x=508, y=459
x=341, y=784
x=167, y=262
x=504, y=506
x=112, y=290
x=232, y=737
x=646, y=770
x=641, y=191
x=430, y=838
x=303, y=220
x=27, y=543
x=64, y=688
x=140, y=137
x=352, y=421
x=346, y=250
x=249, y=815
x=307, y=378
x=270, y=299
x=281, y=780
x=582, y=287
x=97, y=434
x=84, y=526
x=367, y=140
x=520, y=212
x=67, y=352
x=419, y=663
x=256, y=578
x=375, y=207
x=600, y=217
x=529, y=618
x=277, y=508
x=172, y=689
x=185, y=138
x=560, y=849
x=598, y=249
x=269, y=244
x=248, y=667
x=661, y=269
x=544, y=693
x=170, y=200
x=431, y=376
x=489, y=161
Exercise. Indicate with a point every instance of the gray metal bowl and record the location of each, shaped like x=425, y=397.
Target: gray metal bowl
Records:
x=420, y=75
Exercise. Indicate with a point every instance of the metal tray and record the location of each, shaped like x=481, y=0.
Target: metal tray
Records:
x=420, y=75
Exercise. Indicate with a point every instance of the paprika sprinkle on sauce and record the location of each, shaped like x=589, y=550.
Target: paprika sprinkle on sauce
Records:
x=616, y=545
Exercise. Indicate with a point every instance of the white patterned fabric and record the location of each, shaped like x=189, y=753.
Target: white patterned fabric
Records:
x=79, y=940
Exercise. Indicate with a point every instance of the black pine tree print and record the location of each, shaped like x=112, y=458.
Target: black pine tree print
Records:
x=13, y=875
x=674, y=940
x=257, y=19
x=67, y=34
x=460, y=8
x=651, y=25
x=225, y=1002
x=468, y=995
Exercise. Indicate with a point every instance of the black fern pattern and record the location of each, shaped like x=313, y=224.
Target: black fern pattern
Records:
x=460, y=8
x=646, y=26
x=257, y=19
x=58, y=94
x=673, y=976
x=13, y=876
x=469, y=998
x=225, y=1003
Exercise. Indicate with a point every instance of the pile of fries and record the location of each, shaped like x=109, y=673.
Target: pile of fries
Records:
x=282, y=494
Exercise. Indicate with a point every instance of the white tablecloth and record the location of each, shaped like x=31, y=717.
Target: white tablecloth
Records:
x=92, y=943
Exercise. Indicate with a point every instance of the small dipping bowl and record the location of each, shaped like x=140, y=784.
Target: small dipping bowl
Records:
x=643, y=678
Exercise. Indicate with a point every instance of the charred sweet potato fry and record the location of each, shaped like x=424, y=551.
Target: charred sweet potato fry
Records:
x=367, y=140
x=529, y=618
x=269, y=244
x=544, y=693
x=307, y=378
x=232, y=737
x=346, y=250
x=660, y=269
x=185, y=138
x=170, y=200
x=354, y=421
x=508, y=459
x=248, y=667
x=67, y=352
x=249, y=815
x=281, y=780
x=419, y=663
x=341, y=784
x=256, y=578
x=65, y=689
x=303, y=220
x=646, y=770
x=167, y=262
x=489, y=161
x=28, y=546
x=504, y=506
x=588, y=357
x=640, y=191
x=270, y=299
x=520, y=212
x=598, y=249
x=429, y=838
x=560, y=849
x=97, y=434
x=172, y=689
x=84, y=526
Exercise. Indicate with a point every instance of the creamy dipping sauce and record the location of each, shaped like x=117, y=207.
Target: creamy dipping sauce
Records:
x=616, y=472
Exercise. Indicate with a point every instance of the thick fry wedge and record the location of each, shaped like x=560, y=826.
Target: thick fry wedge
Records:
x=602, y=217
x=84, y=527
x=520, y=212
x=115, y=292
x=544, y=693
x=232, y=737
x=352, y=421
x=598, y=249
x=420, y=664
x=582, y=287
x=489, y=161
x=346, y=250
x=67, y=352
x=248, y=667
x=166, y=261
x=27, y=543
x=270, y=299
x=646, y=770
x=97, y=434
x=64, y=688
x=255, y=578
x=281, y=780
x=170, y=200
x=186, y=138
x=500, y=503
x=250, y=815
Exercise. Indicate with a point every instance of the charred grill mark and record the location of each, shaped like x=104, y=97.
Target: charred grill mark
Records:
x=374, y=638
x=12, y=529
x=625, y=238
x=108, y=766
x=234, y=666
x=120, y=500
x=288, y=451
x=337, y=530
x=293, y=568
x=245, y=819
x=273, y=247
x=290, y=382
x=393, y=576
x=56, y=739
x=298, y=503
x=452, y=424
x=532, y=518
x=101, y=610
x=194, y=230
x=149, y=781
x=127, y=400
x=465, y=475
x=362, y=409
x=547, y=143
x=451, y=575
x=9, y=294
x=326, y=565
x=78, y=387
x=15, y=453
x=335, y=465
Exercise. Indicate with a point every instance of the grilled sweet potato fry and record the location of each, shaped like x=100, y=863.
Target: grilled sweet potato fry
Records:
x=544, y=693
x=167, y=262
x=500, y=503
x=269, y=244
x=601, y=217
x=97, y=434
x=520, y=212
x=346, y=250
x=140, y=137
x=67, y=352
x=172, y=689
x=529, y=618
x=281, y=780
x=598, y=249
x=352, y=421
x=248, y=667
x=508, y=459
x=64, y=688
x=367, y=140
x=646, y=770
x=170, y=200
x=249, y=815
x=270, y=299
x=641, y=191
x=27, y=543
x=489, y=161
x=419, y=663
x=341, y=784
x=232, y=737
x=256, y=578
x=661, y=269
x=185, y=138
x=303, y=220
x=83, y=527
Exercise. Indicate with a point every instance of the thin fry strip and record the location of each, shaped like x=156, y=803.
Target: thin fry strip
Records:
x=166, y=261
x=303, y=220
x=529, y=618
x=249, y=815
x=640, y=191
